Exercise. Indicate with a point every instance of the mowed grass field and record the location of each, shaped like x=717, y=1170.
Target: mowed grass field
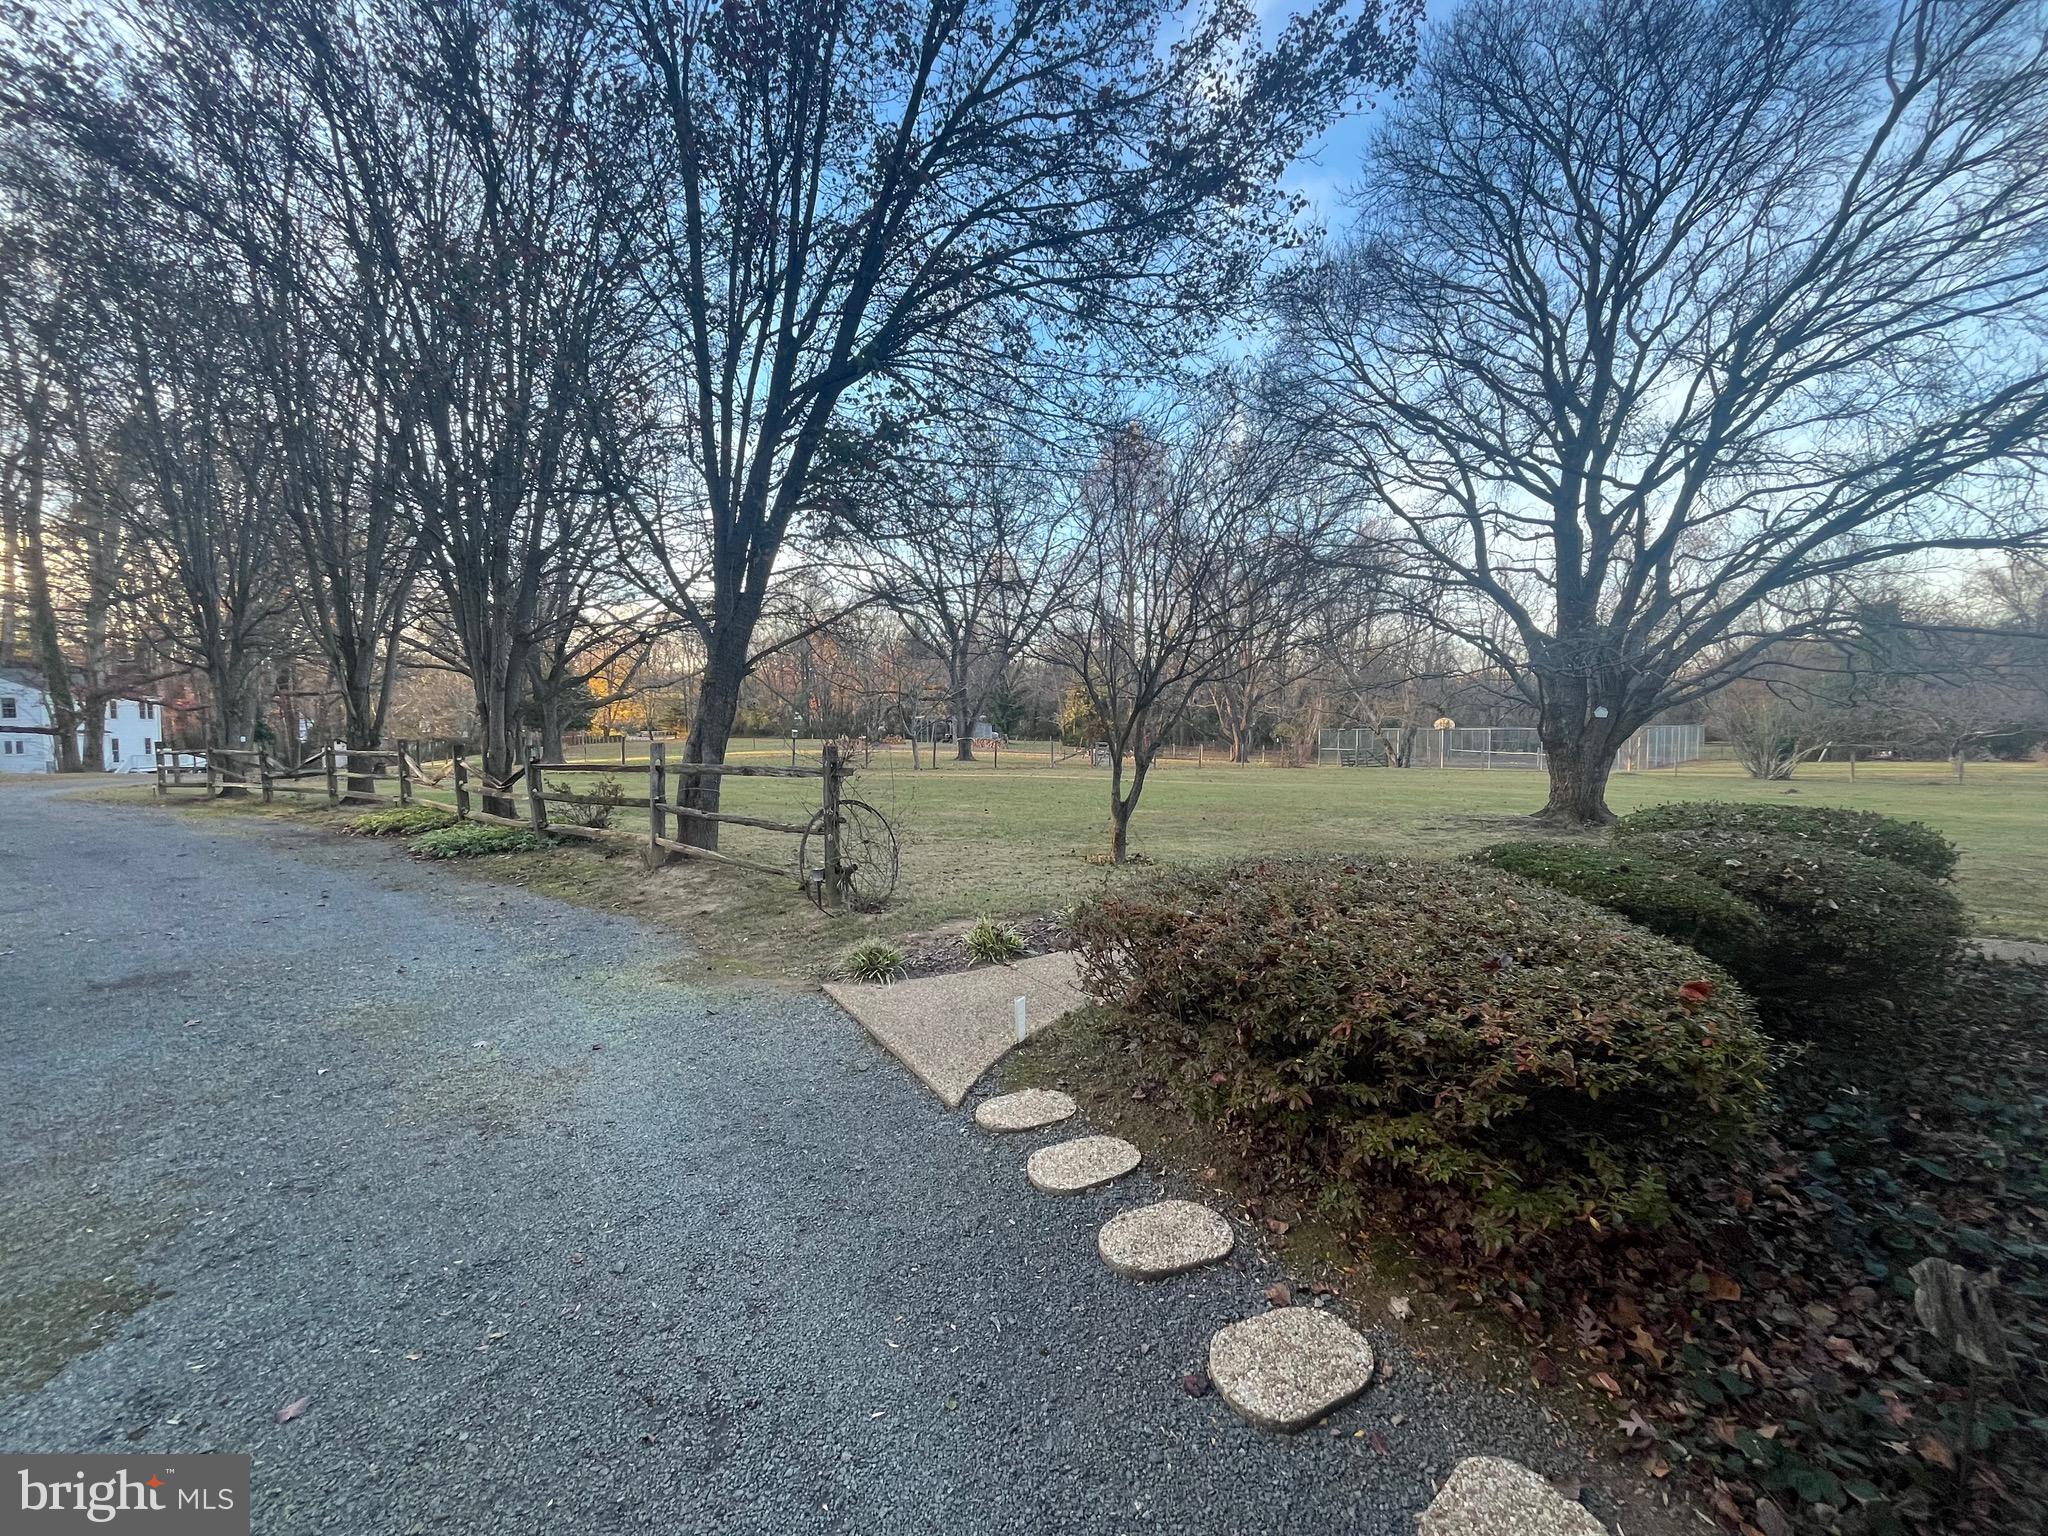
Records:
x=1026, y=834
x=1019, y=835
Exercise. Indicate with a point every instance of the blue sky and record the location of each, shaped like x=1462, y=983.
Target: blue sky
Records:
x=1330, y=169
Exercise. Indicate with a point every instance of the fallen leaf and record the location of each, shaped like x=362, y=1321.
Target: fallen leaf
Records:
x=1280, y=1294
x=1195, y=1384
x=293, y=1409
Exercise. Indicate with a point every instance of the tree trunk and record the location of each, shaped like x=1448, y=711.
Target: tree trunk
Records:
x=1579, y=767
x=718, y=700
x=551, y=744
x=1122, y=805
x=45, y=642
x=92, y=727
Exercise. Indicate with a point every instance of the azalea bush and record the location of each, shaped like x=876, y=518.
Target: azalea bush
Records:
x=1912, y=843
x=1446, y=1025
x=1833, y=920
x=1665, y=898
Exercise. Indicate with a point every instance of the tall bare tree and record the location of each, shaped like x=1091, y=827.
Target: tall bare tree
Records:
x=862, y=199
x=1179, y=525
x=1665, y=317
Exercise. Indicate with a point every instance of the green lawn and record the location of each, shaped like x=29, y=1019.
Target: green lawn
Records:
x=977, y=836
x=1021, y=836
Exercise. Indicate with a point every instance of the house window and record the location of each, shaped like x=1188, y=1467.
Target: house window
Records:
x=145, y=746
x=117, y=748
x=7, y=708
x=113, y=709
x=148, y=713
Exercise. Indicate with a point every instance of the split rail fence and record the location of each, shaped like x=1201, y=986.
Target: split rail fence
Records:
x=674, y=796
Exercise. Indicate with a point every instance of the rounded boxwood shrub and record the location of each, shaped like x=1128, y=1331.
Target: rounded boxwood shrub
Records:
x=1834, y=919
x=1444, y=1024
x=1670, y=899
x=1911, y=843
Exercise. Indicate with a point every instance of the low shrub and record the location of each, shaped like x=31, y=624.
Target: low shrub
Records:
x=990, y=942
x=1450, y=1025
x=474, y=839
x=1834, y=920
x=873, y=960
x=603, y=797
x=1911, y=843
x=1665, y=898
x=401, y=821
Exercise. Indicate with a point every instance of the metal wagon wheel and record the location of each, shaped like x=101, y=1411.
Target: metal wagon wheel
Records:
x=867, y=856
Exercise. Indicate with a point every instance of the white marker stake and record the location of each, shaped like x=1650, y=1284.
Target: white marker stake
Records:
x=1023, y=1027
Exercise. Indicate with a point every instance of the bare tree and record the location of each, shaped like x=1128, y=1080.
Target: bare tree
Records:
x=1178, y=526
x=1664, y=318
x=863, y=199
x=963, y=544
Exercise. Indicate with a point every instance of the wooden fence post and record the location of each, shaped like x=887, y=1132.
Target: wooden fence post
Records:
x=328, y=757
x=657, y=803
x=1852, y=762
x=263, y=771
x=536, y=808
x=458, y=768
x=404, y=776
x=163, y=788
x=830, y=895
x=212, y=774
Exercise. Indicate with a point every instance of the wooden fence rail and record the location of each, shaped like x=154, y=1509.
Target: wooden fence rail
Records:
x=362, y=775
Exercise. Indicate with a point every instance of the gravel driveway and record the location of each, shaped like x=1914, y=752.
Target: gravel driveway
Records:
x=552, y=1244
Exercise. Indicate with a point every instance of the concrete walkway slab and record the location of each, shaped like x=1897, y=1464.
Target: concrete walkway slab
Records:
x=1490, y=1496
x=950, y=1029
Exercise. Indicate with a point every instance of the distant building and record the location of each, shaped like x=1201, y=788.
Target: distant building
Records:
x=28, y=742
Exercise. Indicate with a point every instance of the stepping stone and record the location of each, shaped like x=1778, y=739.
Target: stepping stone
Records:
x=1163, y=1239
x=1488, y=1496
x=1025, y=1110
x=1288, y=1367
x=1067, y=1167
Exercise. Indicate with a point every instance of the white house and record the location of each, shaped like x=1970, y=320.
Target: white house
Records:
x=28, y=744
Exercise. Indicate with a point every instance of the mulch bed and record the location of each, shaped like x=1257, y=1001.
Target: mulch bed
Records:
x=943, y=952
x=1771, y=1351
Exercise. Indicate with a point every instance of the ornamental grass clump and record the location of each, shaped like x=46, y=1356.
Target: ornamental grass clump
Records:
x=1528, y=1057
x=991, y=943
x=874, y=960
x=1912, y=843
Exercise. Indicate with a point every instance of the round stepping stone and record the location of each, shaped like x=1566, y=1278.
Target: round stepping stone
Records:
x=1067, y=1167
x=1163, y=1239
x=1025, y=1110
x=1489, y=1496
x=1287, y=1368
